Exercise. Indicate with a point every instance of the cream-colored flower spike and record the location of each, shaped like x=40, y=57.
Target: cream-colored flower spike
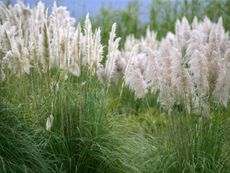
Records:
x=97, y=50
x=134, y=77
x=113, y=55
x=49, y=122
x=88, y=42
x=61, y=32
x=151, y=74
x=91, y=47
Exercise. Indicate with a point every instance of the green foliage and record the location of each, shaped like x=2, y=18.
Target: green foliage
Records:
x=85, y=136
x=195, y=144
x=19, y=151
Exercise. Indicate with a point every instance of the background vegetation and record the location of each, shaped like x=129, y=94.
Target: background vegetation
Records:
x=161, y=17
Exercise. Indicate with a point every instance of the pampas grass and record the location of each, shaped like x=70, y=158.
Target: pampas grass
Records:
x=193, y=60
x=150, y=106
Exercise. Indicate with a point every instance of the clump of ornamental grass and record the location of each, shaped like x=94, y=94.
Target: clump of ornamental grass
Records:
x=79, y=133
x=196, y=62
x=191, y=143
x=188, y=68
x=86, y=137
